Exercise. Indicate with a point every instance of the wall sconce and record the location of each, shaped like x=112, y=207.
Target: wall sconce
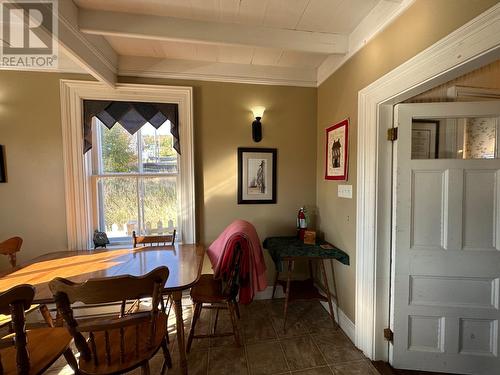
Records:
x=258, y=112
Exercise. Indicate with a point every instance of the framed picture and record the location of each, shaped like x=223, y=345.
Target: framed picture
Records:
x=3, y=174
x=256, y=175
x=424, y=139
x=337, y=143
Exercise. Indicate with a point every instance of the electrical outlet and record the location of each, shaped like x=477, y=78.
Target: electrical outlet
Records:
x=345, y=191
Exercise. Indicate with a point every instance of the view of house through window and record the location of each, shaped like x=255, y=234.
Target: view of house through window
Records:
x=135, y=180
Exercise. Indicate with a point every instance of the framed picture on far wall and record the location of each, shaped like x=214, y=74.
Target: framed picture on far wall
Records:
x=3, y=174
x=337, y=144
x=256, y=175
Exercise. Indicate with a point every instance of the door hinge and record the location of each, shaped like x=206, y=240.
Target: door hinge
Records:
x=388, y=335
x=392, y=134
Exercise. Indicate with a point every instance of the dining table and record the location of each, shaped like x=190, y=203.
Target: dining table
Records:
x=184, y=262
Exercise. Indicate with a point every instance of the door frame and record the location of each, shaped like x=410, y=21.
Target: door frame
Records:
x=473, y=45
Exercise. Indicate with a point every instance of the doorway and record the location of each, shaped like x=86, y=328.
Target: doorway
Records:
x=479, y=44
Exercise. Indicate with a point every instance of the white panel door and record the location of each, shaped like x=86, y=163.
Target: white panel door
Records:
x=446, y=238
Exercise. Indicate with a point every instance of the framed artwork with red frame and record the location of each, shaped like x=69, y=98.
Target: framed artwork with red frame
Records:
x=337, y=144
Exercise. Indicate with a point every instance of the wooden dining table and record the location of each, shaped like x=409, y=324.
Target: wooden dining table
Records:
x=184, y=262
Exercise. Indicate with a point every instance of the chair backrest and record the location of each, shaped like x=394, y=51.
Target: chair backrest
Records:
x=15, y=302
x=160, y=240
x=10, y=247
x=104, y=290
x=231, y=278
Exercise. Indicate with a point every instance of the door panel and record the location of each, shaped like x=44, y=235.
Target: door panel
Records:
x=446, y=238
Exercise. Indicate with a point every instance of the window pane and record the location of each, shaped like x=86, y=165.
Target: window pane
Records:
x=158, y=154
x=118, y=200
x=454, y=138
x=159, y=204
x=119, y=150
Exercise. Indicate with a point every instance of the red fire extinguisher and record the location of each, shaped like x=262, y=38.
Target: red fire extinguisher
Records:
x=301, y=223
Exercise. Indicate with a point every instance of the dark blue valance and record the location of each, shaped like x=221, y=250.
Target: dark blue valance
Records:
x=131, y=115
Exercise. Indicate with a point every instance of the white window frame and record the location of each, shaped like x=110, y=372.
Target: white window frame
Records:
x=98, y=174
x=80, y=211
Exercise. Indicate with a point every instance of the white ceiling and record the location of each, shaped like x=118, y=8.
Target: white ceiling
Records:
x=323, y=16
x=284, y=42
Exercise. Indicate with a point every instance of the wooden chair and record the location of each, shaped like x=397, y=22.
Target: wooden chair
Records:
x=10, y=247
x=120, y=344
x=162, y=240
x=33, y=351
x=218, y=294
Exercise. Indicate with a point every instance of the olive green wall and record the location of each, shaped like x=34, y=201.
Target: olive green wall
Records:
x=420, y=26
x=32, y=202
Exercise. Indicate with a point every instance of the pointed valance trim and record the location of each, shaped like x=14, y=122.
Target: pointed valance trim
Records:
x=131, y=115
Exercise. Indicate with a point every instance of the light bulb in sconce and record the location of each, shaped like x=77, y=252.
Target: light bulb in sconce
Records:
x=258, y=112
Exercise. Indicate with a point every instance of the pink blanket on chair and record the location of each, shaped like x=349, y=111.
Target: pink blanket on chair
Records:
x=252, y=275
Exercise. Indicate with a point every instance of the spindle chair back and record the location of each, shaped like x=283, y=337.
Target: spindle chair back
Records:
x=119, y=344
x=34, y=351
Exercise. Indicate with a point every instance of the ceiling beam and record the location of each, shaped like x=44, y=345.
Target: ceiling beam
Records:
x=168, y=28
x=92, y=53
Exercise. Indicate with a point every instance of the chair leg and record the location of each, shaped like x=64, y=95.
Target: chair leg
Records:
x=145, y=368
x=216, y=320
x=236, y=308
x=197, y=312
x=70, y=358
x=167, y=362
x=231, y=309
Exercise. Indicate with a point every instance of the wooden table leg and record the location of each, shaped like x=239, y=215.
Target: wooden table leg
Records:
x=328, y=294
x=287, y=292
x=177, y=299
x=336, y=296
x=275, y=282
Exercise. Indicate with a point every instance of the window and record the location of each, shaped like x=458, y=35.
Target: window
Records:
x=135, y=181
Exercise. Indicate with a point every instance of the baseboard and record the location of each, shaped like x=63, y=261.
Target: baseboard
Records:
x=345, y=323
x=268, y=293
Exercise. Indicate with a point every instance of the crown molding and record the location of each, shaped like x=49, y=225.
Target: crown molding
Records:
x=215, y=71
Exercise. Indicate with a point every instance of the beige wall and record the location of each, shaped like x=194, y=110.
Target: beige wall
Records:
x=423, y=24
x=32, y=202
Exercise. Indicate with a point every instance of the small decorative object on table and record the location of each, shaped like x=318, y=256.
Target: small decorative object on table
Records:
x=310, y=237
x=100, y=239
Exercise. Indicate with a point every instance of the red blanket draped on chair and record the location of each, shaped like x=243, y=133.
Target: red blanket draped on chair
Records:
x=252, y=276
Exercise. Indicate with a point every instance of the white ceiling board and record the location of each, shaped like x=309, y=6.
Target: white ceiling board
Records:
x=235, y=54
x=266, y=56
x=284, y=14
x=305, y=60
x=333, y=16
x=167, y=28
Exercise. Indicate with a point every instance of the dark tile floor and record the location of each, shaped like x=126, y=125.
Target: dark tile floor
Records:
x=310, y=346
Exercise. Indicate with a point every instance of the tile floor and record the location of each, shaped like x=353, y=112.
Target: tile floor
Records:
x=311, y=346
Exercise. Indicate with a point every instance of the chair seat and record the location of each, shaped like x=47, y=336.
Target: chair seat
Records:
x=131, y=358
x=45, y=346
x=208, y=290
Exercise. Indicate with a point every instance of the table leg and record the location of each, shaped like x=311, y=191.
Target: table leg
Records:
x=177, y=300
x=328, y=294
x=287, y=292
x=275, y=283
x=336, y=296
